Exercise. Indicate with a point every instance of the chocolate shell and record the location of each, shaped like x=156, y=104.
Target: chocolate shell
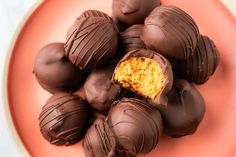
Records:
x=54, y=72
x=171, y=32
x=137, y=125
x=100, y=91
x=199, y=67
x=185, y=110
x=130, y=38
x=64, y=119
x=91, y=40
x=166, y=80
x=130, y=12
x=100, y=141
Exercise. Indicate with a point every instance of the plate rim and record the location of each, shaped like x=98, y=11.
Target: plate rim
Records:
x=5, y=94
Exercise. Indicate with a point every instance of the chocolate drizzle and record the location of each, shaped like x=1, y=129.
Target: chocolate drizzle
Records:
x=100, y=141
x=171, y=31
x=199, y=67
x=130, y=38
x=92, y=40
x=136, y=125
x=64, y=119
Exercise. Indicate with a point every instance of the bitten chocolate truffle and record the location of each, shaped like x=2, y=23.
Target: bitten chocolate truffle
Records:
x=53, y=70
x=199, y=67
x=185, y=110
x=130, y=12
x=146, y=73
x=91, y=40
x=171, y=32
x=64, y=119
x=130, y=39
x=137, y=125
x=100, y=91
x=100, y=141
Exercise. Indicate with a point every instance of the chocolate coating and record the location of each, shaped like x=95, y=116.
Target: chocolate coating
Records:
x=171, y=32
x=100, y=91
x=100, y=141
x=161, y=98
x=91, y=40
x=64, y=119
x=130, y=38
x=136, y=125
x=199, y=67
x=130, y=12
x=53, y=70
x=185, y=110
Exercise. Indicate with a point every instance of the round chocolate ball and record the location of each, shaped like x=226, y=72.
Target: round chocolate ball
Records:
x=145, y=73
x=64, y=119
x=136, y=124
x=100, y=141
x=185, y=110
x=130, y=38
x=201, y=65
x=99, y=90
x=130, y=12
x=91, y=40
x=171, y=32
x=53, y=70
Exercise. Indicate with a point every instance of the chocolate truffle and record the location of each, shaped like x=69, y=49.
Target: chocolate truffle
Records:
x=199, y=67
x=146, y=73
x=64, y=119
x=137, y=125
x=130, y=38
x=130, y=12
x=171, y=32
x=91, y=40
x=100, y=141
x=185, y=110
x=53, y=70
x=100, y=91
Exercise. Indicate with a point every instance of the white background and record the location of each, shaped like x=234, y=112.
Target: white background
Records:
x=11, y=15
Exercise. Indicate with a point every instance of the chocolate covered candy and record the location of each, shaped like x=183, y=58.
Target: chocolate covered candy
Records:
x=185, y=110
x=100, y=141
x=100, y=91
x=91, y=40
x=201, y=65
x=137, y=125
x=130, y=12
x=130, y=38
x=53, y=70
x=146, y=73
x=171, y=32
x=64, y=119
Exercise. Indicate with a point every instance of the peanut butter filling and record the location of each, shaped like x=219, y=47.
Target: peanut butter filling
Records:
x=141, y=75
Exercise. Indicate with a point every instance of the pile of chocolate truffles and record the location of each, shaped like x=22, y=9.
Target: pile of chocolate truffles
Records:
x=119, y=82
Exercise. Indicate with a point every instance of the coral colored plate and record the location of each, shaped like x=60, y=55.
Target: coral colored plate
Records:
x=216, y=136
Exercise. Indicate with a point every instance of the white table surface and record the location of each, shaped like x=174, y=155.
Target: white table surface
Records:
x=11, y=15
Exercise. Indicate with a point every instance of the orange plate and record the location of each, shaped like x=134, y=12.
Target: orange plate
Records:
x=216, y=136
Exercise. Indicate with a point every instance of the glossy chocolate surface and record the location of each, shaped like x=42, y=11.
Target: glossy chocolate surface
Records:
x=53, y=70
x=91, y=40
x=185, y=110
x=136, y=125
x=100, y=91
x=199, y=67
x=64, y=119
x=171, y=32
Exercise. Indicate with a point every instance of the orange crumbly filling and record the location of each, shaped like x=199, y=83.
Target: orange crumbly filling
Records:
x=141, y=75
